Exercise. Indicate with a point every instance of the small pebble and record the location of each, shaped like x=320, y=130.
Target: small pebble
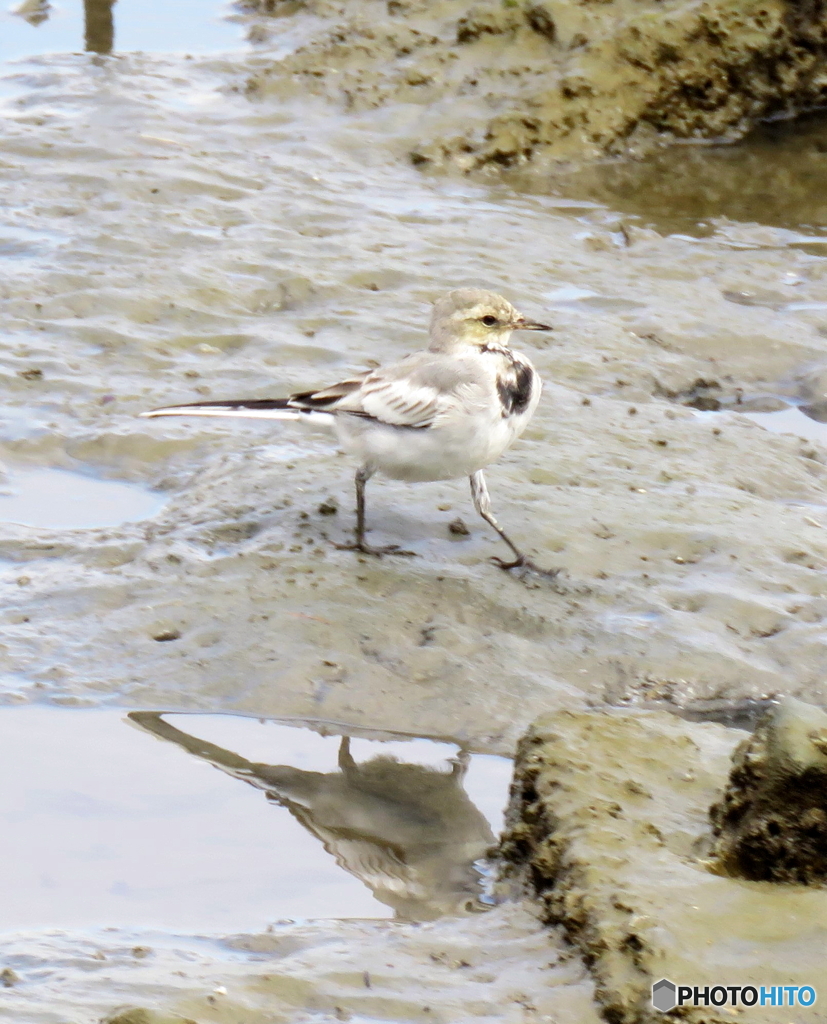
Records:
x=8, y=977
x=167, y=634
x=458, y=527
x=328, y=507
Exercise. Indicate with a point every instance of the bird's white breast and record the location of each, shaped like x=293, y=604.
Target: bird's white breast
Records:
x=469, y=432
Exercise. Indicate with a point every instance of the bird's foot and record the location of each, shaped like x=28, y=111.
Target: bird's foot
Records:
x=521, y=562
x=369, y=549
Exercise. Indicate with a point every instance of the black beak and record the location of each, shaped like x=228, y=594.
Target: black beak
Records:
x=530, y=325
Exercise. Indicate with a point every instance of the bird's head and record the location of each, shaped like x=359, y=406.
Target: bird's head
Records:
x=472, y=316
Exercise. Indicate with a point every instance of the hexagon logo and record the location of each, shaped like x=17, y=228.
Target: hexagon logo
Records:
x=664, y=995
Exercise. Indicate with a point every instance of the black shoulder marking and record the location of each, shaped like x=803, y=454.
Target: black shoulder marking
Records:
x=515, y=388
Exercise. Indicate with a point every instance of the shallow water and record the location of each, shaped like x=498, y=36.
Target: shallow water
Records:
x=790, y=421
x=37, y=27
x=775, y=176
x=104, y=825
x=57, y=499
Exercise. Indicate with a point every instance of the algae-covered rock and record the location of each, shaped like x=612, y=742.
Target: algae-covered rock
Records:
x=771, y=824
x=607, y=826
x=501, y=84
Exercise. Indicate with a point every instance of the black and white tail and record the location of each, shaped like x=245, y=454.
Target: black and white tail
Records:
x=256, y=409
x=310, y=406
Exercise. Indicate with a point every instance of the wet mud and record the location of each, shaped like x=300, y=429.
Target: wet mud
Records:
x=499, y=85
x=180, y=229
x=500, y=966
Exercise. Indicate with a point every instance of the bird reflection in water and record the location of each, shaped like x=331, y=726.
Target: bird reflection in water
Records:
x=99, y=25
x=407, y=831
x=33, y=11
x=99, y=33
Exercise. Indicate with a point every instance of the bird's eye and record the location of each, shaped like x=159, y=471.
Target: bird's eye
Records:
x=489, y=320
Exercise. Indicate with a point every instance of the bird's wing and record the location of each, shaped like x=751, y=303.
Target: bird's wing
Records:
x=402, y=402
x=412, y=393
x=375, y=864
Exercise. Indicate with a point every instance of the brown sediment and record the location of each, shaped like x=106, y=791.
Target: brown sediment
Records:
x=501, y=85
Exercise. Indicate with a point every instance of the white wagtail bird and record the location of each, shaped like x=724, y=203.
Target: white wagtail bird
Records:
x=439, y=414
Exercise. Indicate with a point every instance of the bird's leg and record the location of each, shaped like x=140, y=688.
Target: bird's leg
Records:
x=482, y=503
x=346, y=761
x=364, y=474
x=459, y=764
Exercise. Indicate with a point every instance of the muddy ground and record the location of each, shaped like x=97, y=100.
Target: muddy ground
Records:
x=500, y=84
x=169, y=236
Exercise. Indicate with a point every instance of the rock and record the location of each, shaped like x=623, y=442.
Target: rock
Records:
x=608, y=826
x=771, y=824
x=458, y=527
x=166, y=635
x=508, y=84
